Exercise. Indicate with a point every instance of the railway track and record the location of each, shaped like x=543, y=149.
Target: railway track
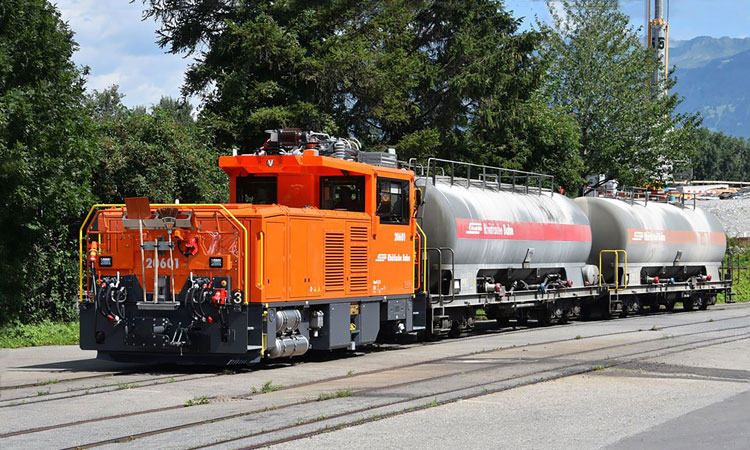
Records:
x=132, y=379
x=368, y=389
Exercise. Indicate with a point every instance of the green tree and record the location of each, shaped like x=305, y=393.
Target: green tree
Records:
x=721, y=157
x=46, y=154
x=599, y=74
x=162, y=153
x=449, y=78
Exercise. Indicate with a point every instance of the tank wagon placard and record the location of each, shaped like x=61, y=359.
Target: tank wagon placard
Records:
x=325, y=246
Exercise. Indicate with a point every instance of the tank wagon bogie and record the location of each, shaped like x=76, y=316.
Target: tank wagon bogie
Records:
x=324, y=246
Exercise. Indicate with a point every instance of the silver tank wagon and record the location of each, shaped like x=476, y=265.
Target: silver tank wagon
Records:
x=665, y=243
x=500, y=235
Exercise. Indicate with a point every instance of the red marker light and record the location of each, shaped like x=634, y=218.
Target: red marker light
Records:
x=110, y=317
x=219, y=297
x=192, y=246
x=210, y=319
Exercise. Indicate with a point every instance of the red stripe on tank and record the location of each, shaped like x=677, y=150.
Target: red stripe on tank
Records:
x=670, y=237
x=521, y=231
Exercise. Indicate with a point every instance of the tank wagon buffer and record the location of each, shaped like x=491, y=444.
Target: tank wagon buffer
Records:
x=316, y=250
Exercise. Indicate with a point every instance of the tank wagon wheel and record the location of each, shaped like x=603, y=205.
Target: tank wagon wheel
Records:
x=455, y=330
x=503, y=322
x=688, y=304
x=522, y=318
x=702, y=304
x=544, y=316
x=670, y=305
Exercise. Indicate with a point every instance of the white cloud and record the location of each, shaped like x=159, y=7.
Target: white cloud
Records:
x=120, y=48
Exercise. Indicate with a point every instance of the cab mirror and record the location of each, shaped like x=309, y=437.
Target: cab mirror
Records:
x=418, y=198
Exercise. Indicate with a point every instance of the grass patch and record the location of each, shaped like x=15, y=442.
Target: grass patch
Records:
x=336, y=394
x=45, y=383
x=17, y=335
x=268, y=386
x=202, y=400
x=121, y=386
x=599, y=367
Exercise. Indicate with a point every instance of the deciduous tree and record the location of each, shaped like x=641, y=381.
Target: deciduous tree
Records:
x=46, y=155
x=599, y=74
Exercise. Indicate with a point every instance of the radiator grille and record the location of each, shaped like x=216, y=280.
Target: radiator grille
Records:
x=334, y=262
x=358, y=258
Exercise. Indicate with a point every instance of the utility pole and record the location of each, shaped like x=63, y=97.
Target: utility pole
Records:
x=658, y=38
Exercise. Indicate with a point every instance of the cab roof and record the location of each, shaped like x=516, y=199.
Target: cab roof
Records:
x=307, y=163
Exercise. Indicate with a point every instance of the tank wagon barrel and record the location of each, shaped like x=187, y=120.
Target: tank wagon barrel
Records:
x=325, y=246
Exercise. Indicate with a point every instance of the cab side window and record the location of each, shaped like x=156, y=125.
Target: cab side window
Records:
x=393, y=201
x=256, y=190
x=342, y=193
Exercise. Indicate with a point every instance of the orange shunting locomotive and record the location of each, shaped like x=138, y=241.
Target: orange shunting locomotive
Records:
x=318, y=248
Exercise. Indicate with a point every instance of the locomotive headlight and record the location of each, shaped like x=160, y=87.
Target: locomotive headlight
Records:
x=216, y=262
x=105, y=261
x=456, y=286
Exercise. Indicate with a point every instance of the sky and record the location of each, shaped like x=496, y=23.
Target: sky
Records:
x=120, y=48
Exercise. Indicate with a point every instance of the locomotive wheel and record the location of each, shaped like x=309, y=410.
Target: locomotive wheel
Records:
x=624, y=312
x=688, y=304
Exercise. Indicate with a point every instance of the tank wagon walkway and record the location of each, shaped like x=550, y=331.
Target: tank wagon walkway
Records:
x=668, y=380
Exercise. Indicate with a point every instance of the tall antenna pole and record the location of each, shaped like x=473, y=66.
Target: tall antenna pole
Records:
x=658, y=39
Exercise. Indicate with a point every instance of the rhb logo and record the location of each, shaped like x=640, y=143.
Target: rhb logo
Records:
x=474, y=228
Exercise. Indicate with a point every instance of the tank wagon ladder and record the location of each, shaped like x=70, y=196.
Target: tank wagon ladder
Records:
x=730, y=271
x=615, y=304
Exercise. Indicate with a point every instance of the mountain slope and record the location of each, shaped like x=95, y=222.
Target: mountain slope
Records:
x=712, y=76
x=700, y=51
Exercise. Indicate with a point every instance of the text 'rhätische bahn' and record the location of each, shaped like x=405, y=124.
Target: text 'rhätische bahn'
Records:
x=325, y=246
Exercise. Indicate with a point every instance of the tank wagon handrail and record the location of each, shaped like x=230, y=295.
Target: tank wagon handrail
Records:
x=530, y=179
x=225, y=212
x=422, y=257
x=633, y=194
x=439, y=251
x=617, y=268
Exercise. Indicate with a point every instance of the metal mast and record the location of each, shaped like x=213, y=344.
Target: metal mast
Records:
x=658, y=38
